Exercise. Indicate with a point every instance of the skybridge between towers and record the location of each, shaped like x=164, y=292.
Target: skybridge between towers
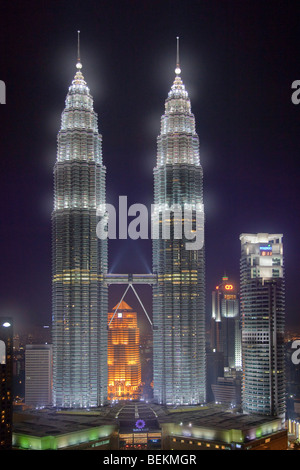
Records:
x=150, y=279
x=129, y=280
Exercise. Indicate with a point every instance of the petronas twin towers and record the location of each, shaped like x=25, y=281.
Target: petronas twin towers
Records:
x=79, y=257
x=80, y=263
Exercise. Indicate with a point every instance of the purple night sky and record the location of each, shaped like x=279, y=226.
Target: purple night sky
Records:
x=238, y=61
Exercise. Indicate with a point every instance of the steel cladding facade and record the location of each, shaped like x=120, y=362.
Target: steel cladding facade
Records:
x=80, y=299
x=179, y=296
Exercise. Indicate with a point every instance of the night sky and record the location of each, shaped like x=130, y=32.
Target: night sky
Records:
x=238, y=61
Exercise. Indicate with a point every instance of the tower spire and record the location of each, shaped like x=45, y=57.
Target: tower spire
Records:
x=177, y=70
x=78, y=65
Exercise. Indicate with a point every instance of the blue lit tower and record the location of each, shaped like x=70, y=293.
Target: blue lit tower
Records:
x=79, y=257
x=179, y=296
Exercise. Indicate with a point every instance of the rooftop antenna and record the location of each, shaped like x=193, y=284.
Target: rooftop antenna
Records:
x=78, y=65
x=177, y=70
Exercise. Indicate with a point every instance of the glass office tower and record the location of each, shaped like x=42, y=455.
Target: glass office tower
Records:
x=225, y=323
x=38, y=374
x=178, y=297
x=262, y=302
x=79, y=257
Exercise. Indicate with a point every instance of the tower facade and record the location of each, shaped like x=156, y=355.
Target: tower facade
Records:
x=79, y=257
x=262, y=295
x=178, y=296
x=225, y=323
x=38, y=374
x=124, y=364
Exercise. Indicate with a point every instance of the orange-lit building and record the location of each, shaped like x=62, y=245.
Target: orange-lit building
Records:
x=124, y=365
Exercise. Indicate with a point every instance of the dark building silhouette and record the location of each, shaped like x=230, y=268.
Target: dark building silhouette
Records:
x=6, y=378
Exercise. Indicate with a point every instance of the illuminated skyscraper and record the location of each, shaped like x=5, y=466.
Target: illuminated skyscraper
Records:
x=225, y=323
x=6, y=379
x=178, y=298
x=38, y=374
x=124, y=365
x=262, y=296
x=79, y=257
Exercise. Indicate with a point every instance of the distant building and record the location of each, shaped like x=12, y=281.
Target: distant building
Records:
x=227, y=390
x=214, y=369
x=293, y=426
x=6, y=378
x=262, y=296
x=124, y=364
x=38, y=374
x=225, y=323
x=146, y=353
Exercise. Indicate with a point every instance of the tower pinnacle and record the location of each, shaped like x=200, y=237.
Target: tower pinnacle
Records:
x=177, y=70
x=79, y=64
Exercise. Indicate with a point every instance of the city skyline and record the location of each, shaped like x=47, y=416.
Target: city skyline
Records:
x=239, y=99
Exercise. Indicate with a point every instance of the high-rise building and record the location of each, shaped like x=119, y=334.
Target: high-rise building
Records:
x=79, y=319
x=38, y=374
x=178, y=296
x=124, y=364
x=214, y=370
x=225, y=323
x=262, y=300
x=6, y=381
x=227, y=390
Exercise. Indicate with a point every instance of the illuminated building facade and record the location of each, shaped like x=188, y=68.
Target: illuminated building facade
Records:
x=178, y=296
x=38, y=374
x=124, y=365
x=126, y=426
x=224, y=431
x=225, y=323
x=79, y=318
x=262, y=297
x=6, y=378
